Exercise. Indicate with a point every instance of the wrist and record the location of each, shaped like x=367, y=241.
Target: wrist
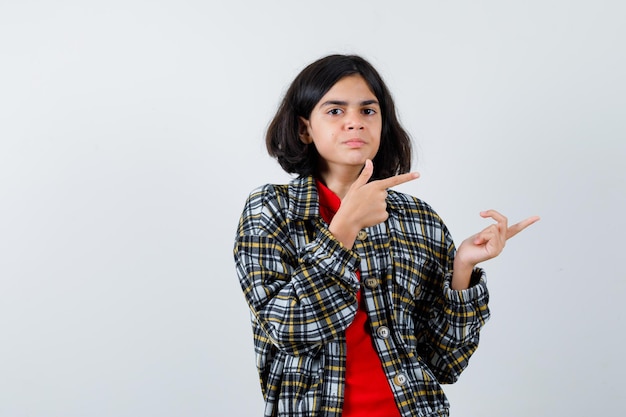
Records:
x=461, y=275
x=344, y=232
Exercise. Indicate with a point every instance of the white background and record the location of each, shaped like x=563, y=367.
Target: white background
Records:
x=132, y=131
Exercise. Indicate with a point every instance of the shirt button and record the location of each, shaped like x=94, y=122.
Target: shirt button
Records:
x=382, y=332
x=400, y=379
x=372, y=283
x=362, y=235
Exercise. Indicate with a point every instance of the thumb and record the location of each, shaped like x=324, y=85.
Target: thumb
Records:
x=365, y=174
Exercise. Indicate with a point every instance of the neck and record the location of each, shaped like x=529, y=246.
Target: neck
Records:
x=340, y=181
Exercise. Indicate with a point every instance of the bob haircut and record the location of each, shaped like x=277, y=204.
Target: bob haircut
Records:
x=283, y=134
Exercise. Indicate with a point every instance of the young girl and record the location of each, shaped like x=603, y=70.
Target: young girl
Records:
x=359, y=304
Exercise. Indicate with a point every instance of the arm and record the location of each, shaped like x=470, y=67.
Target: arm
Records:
x=462, y=311
x=300, y=297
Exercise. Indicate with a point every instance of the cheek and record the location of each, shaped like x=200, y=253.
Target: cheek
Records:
x=377, y=132
x=379, y=127
x=378, y=141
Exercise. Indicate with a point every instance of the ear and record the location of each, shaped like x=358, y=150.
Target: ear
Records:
x=304, y=131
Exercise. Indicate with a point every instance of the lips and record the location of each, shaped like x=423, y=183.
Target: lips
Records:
x=354, y=143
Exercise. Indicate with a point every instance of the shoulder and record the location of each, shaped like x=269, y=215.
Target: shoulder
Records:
x=283, y=202
x=264, y=210
x=265, y=204
x=265, y=194
x=282, y=194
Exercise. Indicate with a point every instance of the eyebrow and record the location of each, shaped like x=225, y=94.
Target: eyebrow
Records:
x=345, y=103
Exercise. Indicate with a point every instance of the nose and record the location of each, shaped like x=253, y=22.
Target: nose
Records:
x=354, y=122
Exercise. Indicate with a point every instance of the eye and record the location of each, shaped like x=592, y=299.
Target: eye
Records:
x=369, y=112
x=335, y=112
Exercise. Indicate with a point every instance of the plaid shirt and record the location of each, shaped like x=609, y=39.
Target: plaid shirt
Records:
x=301, y=286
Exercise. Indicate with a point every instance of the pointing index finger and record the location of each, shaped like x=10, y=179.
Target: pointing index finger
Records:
x=398, y=179
x=518, y=227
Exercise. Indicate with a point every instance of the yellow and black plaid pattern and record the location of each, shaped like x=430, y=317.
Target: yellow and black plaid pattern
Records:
x=301, y=285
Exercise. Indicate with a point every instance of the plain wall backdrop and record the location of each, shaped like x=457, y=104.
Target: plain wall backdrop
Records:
x=132, y=131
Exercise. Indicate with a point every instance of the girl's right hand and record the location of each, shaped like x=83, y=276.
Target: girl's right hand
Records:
x=364, y=204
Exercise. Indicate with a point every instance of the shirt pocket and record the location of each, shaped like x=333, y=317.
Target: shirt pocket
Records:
x=419, y=278
x=300, y=387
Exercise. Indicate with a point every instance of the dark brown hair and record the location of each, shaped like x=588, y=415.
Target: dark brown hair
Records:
x=283, y=134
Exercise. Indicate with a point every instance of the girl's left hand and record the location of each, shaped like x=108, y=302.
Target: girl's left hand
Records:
x=488, y=243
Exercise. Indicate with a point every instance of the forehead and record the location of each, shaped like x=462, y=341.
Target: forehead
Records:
x=349, y=88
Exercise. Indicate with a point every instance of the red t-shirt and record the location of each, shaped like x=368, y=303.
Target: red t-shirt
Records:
x=367, y=392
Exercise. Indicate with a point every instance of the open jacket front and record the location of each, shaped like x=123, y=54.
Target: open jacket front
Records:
x=301, y=284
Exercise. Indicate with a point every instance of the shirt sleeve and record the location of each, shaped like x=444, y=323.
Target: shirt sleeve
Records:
x=298, y=280
x=454, y=327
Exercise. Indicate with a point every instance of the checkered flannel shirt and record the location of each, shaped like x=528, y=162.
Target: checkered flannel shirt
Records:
x=300, y=284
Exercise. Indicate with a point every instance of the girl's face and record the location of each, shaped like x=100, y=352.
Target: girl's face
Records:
x=345, y=126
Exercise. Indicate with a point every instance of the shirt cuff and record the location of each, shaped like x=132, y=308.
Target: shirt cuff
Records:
x=328, y=254
x=476, y=294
